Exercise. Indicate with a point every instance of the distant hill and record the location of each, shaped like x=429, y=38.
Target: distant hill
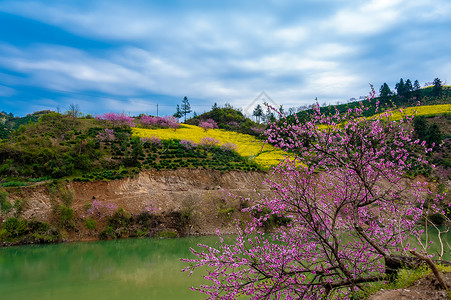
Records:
x=9, y=123
x=229, y=118
x=425, y=97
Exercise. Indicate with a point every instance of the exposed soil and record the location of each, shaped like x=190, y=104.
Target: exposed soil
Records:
x=424, y=289
x=201, y=192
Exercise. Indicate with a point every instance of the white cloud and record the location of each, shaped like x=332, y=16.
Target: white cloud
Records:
x=230, y=53
x=366, y=18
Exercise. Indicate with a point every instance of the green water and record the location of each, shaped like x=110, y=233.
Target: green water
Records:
x=122, y=269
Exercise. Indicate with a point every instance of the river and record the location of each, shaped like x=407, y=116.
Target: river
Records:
x=119, y=269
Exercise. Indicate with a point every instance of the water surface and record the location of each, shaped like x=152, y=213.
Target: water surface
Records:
x=120, y=269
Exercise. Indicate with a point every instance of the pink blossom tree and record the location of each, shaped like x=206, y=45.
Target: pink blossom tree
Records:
x=159, y=122
x=349, y=212
x=107, y=135
x=208, y=124
x=116, y=119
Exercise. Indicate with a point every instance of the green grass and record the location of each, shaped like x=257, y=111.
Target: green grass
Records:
x=406, y=278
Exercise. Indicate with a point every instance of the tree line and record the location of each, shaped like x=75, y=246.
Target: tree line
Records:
x=408, y=91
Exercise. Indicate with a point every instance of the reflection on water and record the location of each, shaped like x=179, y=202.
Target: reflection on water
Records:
x=133, y=269
x=122, y=269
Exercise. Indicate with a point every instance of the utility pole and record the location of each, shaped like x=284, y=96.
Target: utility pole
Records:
x=157, y=110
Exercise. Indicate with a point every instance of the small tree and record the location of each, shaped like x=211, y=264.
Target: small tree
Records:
x=186, y=107
x=348, y=213
x=385, y=92
x=208, y=124
x=417, y=89
x=437, y=88
x=116, y=120
x=400, y=88
x=257, y=113
x=178, y=114
x=74, y=112
x=408, y=89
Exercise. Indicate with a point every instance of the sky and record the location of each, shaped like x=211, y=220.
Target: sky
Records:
x=134, y=56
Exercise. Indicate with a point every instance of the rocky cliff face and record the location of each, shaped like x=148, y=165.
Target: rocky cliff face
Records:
x=203, y=194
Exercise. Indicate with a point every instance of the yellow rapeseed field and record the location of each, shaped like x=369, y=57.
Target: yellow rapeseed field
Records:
x=247, y=145
x=421, y=110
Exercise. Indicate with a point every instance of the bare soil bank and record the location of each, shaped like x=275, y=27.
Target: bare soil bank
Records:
x=205, y=194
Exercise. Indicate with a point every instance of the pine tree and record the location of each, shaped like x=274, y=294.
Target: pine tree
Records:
x=408, y=89
x=257, y=113
x=178, y=114
x=385, y=92
x=186, y=107
x=416, y=89
x=400, y=88
x=437, y=88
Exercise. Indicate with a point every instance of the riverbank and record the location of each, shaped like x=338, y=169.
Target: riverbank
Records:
x=165, y=203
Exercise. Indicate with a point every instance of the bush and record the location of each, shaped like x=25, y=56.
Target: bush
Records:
x=15, y=227
x=90, y=224
x=5, y=205
x=168, y=233
x=66, y=216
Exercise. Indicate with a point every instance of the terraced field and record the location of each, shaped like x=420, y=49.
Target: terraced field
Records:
x=248, y=146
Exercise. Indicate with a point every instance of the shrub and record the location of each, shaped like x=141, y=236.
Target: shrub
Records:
x=159, y=122
x=5, y=205
x=90, y=224
x=100, y=210
x=153, y=141
x=188, y=144
x=120, y=218
x=229, y=147
x=107, y=135
x=108, y=232
x=225, y=211
x=66, y=216
x=168, y=233
x=116, y=120
x=208, y=124
x=15, y=227
x=208, y=141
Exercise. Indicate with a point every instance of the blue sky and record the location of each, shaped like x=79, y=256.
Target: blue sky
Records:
x=129, y=56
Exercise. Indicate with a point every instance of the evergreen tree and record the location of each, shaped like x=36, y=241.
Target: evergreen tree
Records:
x=435, y=136
x=178, y=114
x=416, y=89
x=186, y=107
x=408, y=89
x=269, y=116
x=421, y=127
x=400, y=88
x=437, y=88
x=257, y=113
x=385, y=92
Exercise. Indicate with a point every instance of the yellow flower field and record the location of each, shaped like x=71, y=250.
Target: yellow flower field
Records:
x=422, y=110
x=247, y=145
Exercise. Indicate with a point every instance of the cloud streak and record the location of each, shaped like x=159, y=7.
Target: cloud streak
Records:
x=157, y=53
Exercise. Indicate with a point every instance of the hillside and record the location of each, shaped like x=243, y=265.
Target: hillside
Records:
x=81, y=178
x=426, y=98
x=229, y=118
x=59, y=146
